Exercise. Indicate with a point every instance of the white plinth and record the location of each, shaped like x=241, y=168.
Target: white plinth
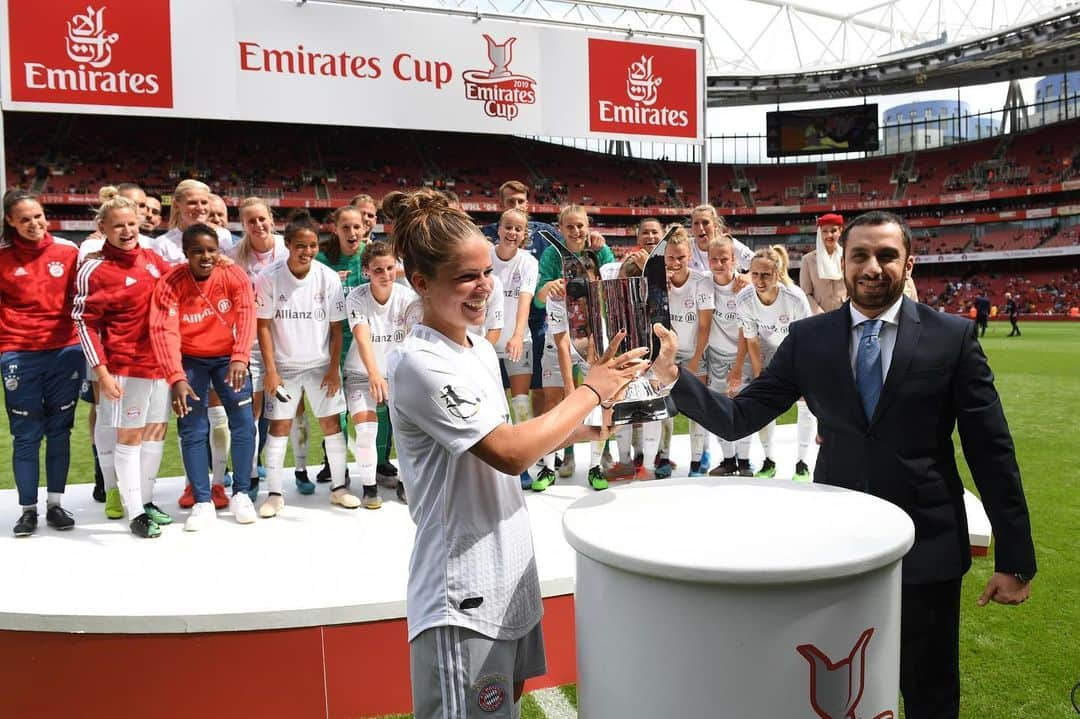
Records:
x=738, y=599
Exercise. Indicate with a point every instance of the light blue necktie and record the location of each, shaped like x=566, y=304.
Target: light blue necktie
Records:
x=868, y=367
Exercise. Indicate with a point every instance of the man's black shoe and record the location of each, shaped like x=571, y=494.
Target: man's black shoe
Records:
x=59, y=518
x=27, y=523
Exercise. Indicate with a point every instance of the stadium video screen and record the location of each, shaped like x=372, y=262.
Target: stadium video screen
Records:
x=812, y=132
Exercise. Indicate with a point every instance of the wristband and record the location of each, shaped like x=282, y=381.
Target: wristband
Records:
x=599, y=399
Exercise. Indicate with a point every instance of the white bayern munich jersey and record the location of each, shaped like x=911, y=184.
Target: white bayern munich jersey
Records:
x=256, y=262
x=770, y=323
x=387, y=323
x=472, y=562
x=516, y=274
x=301, y=310
x=724, y=332
x=170, y=245
x=685, y=305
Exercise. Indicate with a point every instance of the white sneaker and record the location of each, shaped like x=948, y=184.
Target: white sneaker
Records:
x=202, y=516
x=567, y=468
x=242, y=509
x=342, y=497
x=272, y=506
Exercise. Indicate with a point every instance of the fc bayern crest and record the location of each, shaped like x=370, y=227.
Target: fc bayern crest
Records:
x=491, y=696
x=56, y=269
x=224, y=306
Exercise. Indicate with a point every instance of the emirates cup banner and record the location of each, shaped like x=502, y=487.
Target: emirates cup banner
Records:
x=327, y=63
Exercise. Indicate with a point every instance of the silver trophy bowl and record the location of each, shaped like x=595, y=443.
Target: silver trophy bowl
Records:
x=597, y=310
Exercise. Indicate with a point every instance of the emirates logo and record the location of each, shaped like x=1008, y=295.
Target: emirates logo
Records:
x=88, y=41
x=499, y=89
x=641, y=84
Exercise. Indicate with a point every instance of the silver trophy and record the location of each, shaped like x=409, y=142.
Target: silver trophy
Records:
x=597, y=310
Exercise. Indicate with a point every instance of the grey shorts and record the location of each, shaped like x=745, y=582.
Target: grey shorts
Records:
x=523, y=365
x=703, y=366
x=720, y=365
x=457, y=672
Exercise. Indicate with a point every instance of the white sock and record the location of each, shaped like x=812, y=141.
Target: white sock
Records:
x=698, y=436
x=149, y=464
x=127, y=478
x=765, y=434
x=335, y=457
x=665, y=435
x=521, y=407
x=365, y=452
x=727, y=449
x=549, y=461
x=220, y=442
x=274, y=453
x=105, y=441
x=53, y=499
x=806, y=428
x=299, y=434
x=742, y=448
x=650, y=441
x=635, y=438
x=622, y=438
x=596, y=450
x=255, y=453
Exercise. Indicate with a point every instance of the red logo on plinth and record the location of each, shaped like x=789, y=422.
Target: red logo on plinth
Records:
x=641, y=89
x=837, y=687
x=110, y=53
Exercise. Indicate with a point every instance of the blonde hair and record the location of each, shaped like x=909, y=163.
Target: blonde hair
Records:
x=721, y=226
x=678, y=237
x=427, y=229
x=778, y=256
x=573, y=210
x=358, y=200
x=182, y=189
x=514, y=211
x=111, y=199
x=243, y=248
x=721, y=241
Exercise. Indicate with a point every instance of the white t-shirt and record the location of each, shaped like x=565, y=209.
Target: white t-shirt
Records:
x=89, y=247
x=699, y=259
x=517, y=273
x=302, y=310
x=256, y=261
x=473, y=536
x=610, y=271
x=685, y=305
x=770, y=323
x=493, y=315
x=386, y=322
x=170, y=245
x=724, y=332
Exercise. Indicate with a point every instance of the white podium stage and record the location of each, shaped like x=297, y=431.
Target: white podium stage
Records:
x=300, y=615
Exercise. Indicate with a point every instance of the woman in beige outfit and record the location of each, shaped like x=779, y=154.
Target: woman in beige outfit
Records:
x=822, y=279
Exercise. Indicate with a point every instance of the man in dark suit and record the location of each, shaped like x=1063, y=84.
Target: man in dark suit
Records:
x=982, y=312
x=888, y=379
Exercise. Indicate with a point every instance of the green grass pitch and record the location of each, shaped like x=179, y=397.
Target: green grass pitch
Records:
x=1016, y=662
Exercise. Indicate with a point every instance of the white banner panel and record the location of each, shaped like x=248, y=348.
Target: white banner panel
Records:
x=341, y=64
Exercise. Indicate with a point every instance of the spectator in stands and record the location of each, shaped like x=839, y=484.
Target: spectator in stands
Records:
x=1012, y=307
x=705, y=224
x=820, y=274
x=42, y=363
x=202, y=326
x=982, y=312
x=150, y=225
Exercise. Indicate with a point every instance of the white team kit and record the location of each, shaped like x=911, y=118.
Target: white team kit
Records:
x=699, y=259
x=388, y=324
x=724, y=334
x=517, y=273
x=302, y=310
x=472, y=562
x=685, y=305
x=254, y=263
x=770, y=323
x=494, y=316
x=170, y=245
x=557, y=322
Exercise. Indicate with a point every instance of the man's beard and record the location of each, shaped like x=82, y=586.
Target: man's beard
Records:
x=890, y=293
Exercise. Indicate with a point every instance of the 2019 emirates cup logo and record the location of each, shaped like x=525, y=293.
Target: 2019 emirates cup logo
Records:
x=837, y=687
x=87, y=39
x=72, y=52
x=500, y=90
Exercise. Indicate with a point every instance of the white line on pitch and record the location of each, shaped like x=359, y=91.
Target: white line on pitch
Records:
x=554, y=703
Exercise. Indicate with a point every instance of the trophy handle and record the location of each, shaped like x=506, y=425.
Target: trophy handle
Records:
x=656, y=294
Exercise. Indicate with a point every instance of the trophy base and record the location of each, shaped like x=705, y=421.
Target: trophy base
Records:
x=648, y=410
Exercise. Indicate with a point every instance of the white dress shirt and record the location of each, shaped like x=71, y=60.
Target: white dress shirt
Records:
x=886, y=337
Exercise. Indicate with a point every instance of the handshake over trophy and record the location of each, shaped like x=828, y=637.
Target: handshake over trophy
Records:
x=598, y=309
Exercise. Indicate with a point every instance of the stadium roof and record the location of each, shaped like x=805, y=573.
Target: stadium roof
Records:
x=769, y=51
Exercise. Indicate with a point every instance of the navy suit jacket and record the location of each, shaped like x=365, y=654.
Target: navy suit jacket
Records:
x=938, y=379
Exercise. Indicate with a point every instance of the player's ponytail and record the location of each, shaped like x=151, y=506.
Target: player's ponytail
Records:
x=427, y=229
